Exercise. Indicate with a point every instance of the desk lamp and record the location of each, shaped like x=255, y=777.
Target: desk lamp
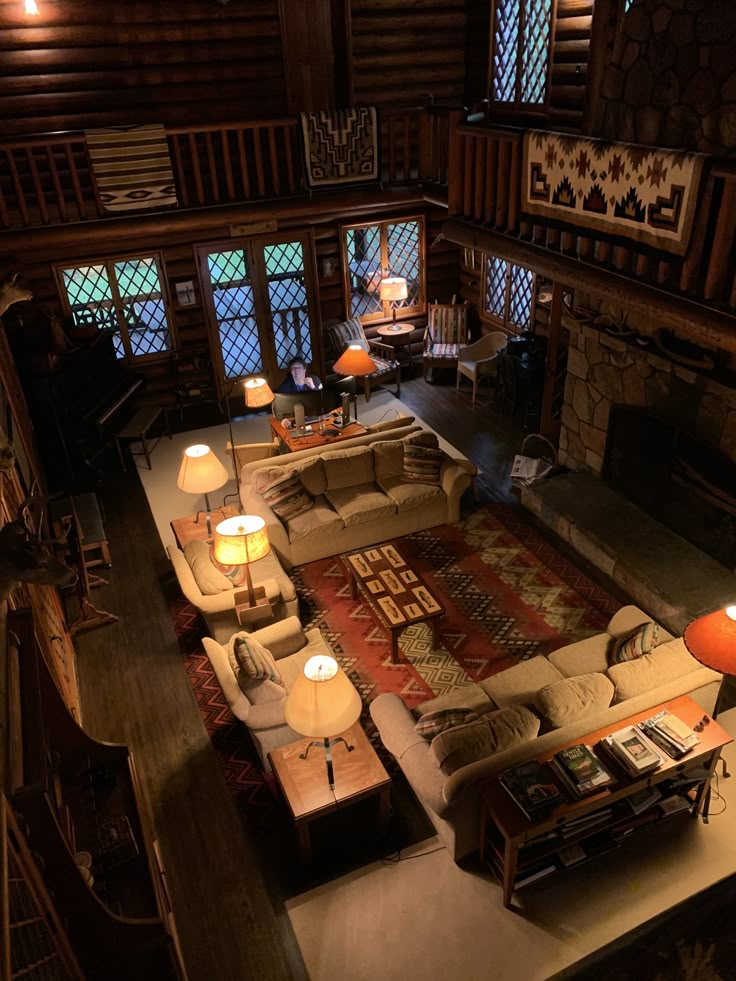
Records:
x=200, y=473
x=712, y=641
x=392, y=290
x=322, y=702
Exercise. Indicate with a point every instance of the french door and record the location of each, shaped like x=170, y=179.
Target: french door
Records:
x=260, y=299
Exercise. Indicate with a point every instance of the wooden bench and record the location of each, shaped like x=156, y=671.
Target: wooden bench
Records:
x=136, y=430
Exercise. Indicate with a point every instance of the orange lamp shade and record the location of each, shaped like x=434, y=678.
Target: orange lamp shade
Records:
x=240, y=540
x=257, y=393
x=354, y=361
x=712, y=640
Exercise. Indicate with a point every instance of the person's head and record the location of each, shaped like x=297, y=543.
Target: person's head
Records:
x=298, y=370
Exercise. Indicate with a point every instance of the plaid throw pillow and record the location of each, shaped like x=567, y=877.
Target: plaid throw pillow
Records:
x=255, y=660
x=635, y=644
x=422, y=464
x=433, y=723
x=287, y=496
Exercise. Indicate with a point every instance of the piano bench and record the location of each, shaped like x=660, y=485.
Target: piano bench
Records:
x=93, y=540
x=136, y=430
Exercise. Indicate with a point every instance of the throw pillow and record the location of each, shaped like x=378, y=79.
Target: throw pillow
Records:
x=494, y=733
x=287, y=496
x=209, y=580
x=639, y=642
x=422, y=464
x=255, y=660
x=433, y=723
x=567, y=701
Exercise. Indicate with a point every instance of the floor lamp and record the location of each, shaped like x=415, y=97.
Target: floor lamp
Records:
x=201, y=473
x=355, y=361
x=323, y=701
x=257, y=394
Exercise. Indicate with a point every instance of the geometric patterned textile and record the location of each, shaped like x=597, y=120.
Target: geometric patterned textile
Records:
x=131, y=167
x=636, y=192
x=340, y=146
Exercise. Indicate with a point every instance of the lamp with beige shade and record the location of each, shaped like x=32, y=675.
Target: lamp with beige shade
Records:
x=201, y=473
x=392, y=290
x=238, y=542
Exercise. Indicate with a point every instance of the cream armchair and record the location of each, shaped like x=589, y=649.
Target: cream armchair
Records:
x=479, y=360
x=262, y=709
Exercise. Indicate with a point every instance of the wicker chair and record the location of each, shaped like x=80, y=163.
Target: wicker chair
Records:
x=446, y=333
x=480, y=360
x=351, y=331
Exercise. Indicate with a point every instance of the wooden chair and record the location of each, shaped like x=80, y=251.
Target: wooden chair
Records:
x=351, y=331
x=480, y=360
x=446, y=333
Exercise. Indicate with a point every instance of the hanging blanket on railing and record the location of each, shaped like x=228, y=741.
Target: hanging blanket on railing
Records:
x=340, y=146
x=636, y=192
x=131, y=167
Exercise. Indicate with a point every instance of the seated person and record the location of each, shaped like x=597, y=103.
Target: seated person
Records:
x=298, y=380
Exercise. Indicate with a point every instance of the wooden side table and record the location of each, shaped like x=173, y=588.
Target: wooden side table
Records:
x=399, y=337
x=358, y=774
x=188, y=529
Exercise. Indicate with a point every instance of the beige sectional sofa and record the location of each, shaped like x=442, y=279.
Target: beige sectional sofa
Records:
x=360, y=495
x=446, y=771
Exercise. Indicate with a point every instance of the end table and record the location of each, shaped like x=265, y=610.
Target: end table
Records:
x=399, y=336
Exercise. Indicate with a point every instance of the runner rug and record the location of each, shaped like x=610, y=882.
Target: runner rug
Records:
x=509, y=595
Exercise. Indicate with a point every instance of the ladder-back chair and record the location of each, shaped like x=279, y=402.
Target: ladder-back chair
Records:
x=446, y=333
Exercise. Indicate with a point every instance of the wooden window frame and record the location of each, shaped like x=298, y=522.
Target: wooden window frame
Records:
x=493, y=319
x=386, y=314
x=109, y=261
x=517, y=106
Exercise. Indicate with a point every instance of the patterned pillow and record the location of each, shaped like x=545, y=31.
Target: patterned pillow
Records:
x=287, y=496
x=639, y=642
x=255, y=660
x=432, y=724
x=422, y=464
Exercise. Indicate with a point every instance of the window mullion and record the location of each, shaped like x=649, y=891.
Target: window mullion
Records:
x=520, y=53
x=118, y=306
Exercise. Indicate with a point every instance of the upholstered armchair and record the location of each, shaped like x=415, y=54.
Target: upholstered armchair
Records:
x=446, y=333
x=480, y=360
x=351, y=332
x=260, y=705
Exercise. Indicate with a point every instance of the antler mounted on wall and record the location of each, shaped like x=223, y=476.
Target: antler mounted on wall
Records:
x=11, y=293
x=24, y=557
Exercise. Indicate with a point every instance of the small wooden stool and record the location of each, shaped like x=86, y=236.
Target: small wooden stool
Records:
x=137, y=430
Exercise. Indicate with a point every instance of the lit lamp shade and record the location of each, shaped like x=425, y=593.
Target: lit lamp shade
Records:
x=712, y=640
x=240, y=540
x=354, y=361
x=393, y=289
x=200, y=471
x=257, y=393
x=323, y=701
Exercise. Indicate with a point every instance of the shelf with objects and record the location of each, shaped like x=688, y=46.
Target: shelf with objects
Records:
x=88, y=820
x=522, y=845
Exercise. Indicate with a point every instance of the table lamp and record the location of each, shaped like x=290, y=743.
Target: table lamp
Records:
x=712, y=641
x=238, y=542
x=392, y=290
x=322, y=702
x=200, y=473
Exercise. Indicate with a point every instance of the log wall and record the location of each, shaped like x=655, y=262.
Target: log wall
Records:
x=569, y=66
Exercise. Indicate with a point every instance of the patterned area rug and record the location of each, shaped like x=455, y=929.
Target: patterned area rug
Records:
x=509, y=595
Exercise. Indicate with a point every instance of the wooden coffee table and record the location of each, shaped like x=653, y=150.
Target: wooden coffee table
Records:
x=358, y=774
x=395, y=591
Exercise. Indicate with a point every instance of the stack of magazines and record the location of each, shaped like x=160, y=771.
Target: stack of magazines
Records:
x=632, y=750
x=669, y=733
x=580, y=770
x=532, y=787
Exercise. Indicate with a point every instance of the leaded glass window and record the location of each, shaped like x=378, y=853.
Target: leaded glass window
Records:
x=508, y=293
x=520, y=52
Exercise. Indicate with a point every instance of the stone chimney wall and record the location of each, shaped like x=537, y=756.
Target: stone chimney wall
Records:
x=603, y=371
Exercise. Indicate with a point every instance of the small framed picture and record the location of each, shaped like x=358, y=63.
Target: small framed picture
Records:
x=185, y=295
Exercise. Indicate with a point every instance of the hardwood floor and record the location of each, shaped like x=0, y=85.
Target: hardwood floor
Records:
x=134, y=690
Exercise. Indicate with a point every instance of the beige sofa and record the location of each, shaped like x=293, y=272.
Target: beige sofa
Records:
x=360, y=496
x=451, y=799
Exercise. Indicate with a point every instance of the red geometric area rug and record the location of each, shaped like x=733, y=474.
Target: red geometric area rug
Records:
x=508, y=595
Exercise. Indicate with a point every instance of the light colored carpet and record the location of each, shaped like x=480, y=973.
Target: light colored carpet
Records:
x=426, y=917
x=165, y=499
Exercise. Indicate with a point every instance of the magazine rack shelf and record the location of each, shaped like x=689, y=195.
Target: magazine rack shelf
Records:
x=87, y=818
x=520, y=850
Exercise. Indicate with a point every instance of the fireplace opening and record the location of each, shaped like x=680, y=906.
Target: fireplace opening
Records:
x=676, y=477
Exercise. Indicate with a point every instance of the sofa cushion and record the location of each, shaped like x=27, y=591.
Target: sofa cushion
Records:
x=566, y=701
x=665, y=663
x=463, y=696
x=255, y=660
x=287, y=496
x=208, y=577
x=406, y=495
x=312, y=474
x=431, y=724
x=494, y=733
x=321, y=518
x=422, y=463
x=521, y=682
x=639, y=642
x=388, y=458
x=345, y=468
x=583, y=656
x=385, y=425
x=361, y=504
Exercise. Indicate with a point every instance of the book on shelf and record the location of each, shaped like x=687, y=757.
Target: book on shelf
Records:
x=580, y=770
x=525, y=880
x=643, y=799
x=673, y=805
x=580, y=825
x=532, y=787
x=633, y=750
x=670, y=733
x=572, y=854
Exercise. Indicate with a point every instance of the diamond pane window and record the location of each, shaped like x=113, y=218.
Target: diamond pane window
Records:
x=287, y=294
x=508, y=293
x=496, y=286
x=374, y=252
x=364, y=264
x=232, y=292
x=521, y=37
x=520, y=297
x=125, y=296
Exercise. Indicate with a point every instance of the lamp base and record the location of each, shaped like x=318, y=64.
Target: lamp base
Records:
x=327, y=745
x=259, y=609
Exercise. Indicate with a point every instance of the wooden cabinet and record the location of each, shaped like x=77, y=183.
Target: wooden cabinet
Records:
x=520, y=850
x=88, y=819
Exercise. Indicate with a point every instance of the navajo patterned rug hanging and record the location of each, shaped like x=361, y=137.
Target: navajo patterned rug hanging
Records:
x=636, y=192
x=340, y=146
x=131, y=167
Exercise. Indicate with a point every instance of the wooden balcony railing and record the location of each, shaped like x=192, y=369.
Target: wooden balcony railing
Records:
x=47, y=179
x=484, y=188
